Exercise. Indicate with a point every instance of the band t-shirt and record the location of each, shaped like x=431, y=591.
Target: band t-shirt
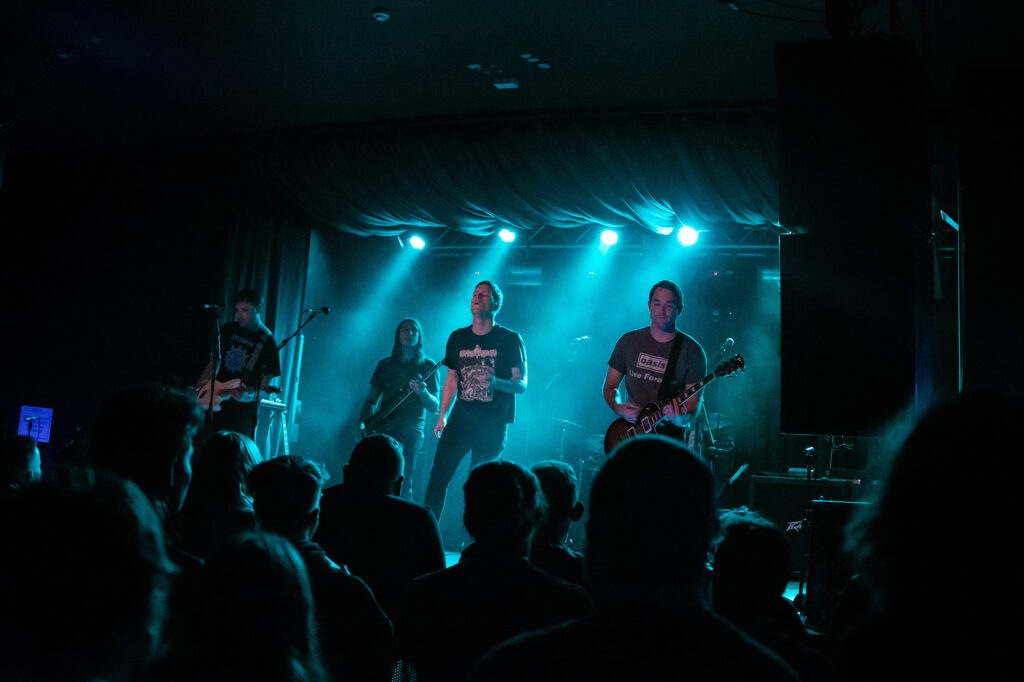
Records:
x=642, y=360
x=477, y=359
x=248, y=354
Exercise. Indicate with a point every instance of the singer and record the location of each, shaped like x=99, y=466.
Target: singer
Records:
x=248, y=354
x=657, y=365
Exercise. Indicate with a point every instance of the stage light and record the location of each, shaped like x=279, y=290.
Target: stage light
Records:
x=687, y=236
x=608, y=239
x=506, y=235
x=417, y=242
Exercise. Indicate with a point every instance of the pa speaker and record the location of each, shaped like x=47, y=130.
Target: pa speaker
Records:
x=854, y=133
x=829, y=567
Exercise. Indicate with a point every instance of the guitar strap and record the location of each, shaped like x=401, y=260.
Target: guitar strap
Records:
x=663, y=390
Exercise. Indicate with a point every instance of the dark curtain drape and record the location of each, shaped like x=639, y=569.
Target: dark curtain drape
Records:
x=649, y=172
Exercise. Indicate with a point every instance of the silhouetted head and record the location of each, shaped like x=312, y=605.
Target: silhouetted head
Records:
x=945, y=474
x=376, y=465
x=504, y=503
x=652, y=516
x=145, y=433
x=752, y=565
x=84, y=579
x=286, y=494
x=559, y=485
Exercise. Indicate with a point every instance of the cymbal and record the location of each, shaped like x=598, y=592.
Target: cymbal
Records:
x=566, y=421
x=717, y=420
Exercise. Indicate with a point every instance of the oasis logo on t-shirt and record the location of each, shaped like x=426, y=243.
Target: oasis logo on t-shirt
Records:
x=652, y=363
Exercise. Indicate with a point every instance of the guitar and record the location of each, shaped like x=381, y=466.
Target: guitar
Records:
x=231, y=389
x=376, y=420
x=651, y=414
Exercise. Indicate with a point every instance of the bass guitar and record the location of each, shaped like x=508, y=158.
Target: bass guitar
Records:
x=232, y=389
x=651, y=414
x=375, y=421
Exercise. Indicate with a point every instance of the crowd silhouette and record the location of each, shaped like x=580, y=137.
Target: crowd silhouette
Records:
x=138, y=559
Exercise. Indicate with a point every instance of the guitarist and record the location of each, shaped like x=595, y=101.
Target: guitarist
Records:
x=403, y=389
x=643, y=358
x=248, y=353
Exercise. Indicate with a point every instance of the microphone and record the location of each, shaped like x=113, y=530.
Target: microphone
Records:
x=212, y=306
x=726, y=345
x=325, y=310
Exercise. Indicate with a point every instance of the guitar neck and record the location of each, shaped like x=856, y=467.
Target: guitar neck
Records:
x=701, y=383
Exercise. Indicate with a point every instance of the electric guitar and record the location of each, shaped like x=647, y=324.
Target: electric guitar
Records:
x=232, y=389
x=376, y=420
x=651, y=414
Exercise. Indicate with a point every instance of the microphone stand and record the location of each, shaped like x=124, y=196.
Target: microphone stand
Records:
x=215, y=358
x=800, y=597
x=280, y=346
x=295, y=333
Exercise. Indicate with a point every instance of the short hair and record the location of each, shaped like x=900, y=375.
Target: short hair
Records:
x=250, y=296
x=139, y=432
x=752, y=555
x=671, y=286
x=559, y=483
x=503, y=501
x=285, y=490
x=496, y=295
x=651, y=514
x=377, y=456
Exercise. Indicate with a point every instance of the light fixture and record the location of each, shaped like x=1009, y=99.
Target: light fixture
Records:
x=417, y=242
x=380, y=14
x=687, y=236
x=608, y=239
x=506, y=235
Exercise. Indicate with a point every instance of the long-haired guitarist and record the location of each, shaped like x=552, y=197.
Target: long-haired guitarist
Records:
x=642, y=359
x=403, y=388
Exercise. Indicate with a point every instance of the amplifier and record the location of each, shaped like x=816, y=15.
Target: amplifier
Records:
x=787, y=500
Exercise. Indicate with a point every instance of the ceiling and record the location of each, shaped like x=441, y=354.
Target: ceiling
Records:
x=115, y=69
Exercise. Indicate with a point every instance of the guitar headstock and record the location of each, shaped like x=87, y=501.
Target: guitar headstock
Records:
x=730, y=367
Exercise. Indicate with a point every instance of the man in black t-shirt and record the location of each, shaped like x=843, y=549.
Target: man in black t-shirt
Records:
x=486, y=369
x=249, y=363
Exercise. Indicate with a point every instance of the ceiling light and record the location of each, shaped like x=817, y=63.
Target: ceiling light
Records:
x=506, y=83
x=380, y=14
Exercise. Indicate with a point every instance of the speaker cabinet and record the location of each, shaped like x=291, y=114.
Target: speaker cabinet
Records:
x=854, y=132
x=829, y=567
x=786, y=501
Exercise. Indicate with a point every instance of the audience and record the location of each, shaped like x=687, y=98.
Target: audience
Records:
x=650, y=528
x=84, y=579
x=941, y=518
x=751, y=567
x=357, y=636
x=248, y=618
x=145, y=433
x=550, y=549
x=449, y=618
x=217, y=504
x=21, y=461
x=384, y=539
